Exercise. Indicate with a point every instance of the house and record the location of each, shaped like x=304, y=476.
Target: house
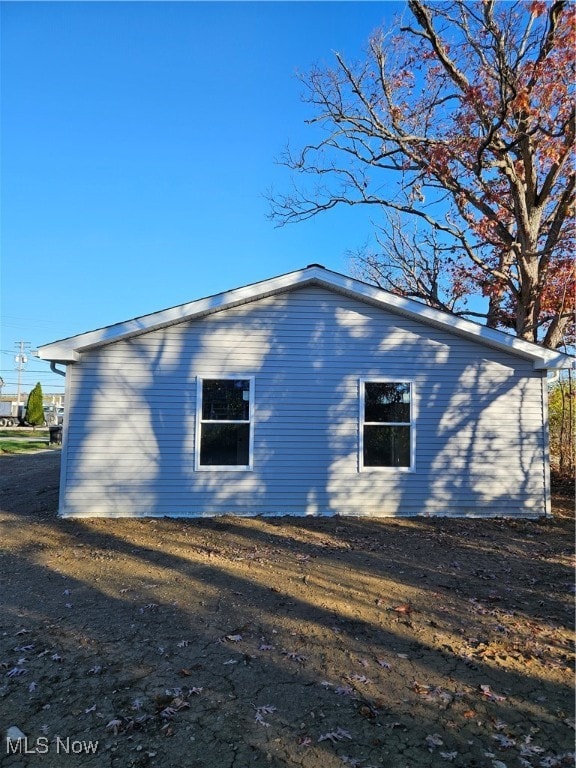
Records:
x=310, y=393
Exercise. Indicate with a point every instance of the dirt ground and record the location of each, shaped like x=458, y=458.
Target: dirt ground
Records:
x=230, y=643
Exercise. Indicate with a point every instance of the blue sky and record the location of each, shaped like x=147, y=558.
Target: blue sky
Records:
x=138, y=142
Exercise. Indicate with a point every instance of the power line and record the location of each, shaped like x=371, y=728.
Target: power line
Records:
x=26, y=386
x=32, y=370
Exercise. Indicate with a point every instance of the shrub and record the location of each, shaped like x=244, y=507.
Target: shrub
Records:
x=35, y=407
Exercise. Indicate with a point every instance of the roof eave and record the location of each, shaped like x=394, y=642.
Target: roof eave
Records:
x=57, y=354
x=70, y=350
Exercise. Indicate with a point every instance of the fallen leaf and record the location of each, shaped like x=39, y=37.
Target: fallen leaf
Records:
x=527, y=749
x=486, y=691
x=404, y=608
x=360, y=679
x=344, y=690
x=261, y=711
x=504, y=742
x=338, y=735
x=114, y=725
x=16, y=672
x=421, y=687
x=295, y=656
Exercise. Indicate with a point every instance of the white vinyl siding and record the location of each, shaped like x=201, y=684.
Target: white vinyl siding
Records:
x=131, y=433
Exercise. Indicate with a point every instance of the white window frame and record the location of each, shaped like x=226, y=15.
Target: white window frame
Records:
x=199, y=421
x=362, y=423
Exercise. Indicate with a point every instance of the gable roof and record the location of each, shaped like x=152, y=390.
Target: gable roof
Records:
x=69, y=350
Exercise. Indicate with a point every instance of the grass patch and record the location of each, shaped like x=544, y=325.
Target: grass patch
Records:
x=24, y=432
x=17, y=445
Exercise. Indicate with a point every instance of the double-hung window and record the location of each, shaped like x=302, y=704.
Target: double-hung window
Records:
x=386, y=424
x=224, y=423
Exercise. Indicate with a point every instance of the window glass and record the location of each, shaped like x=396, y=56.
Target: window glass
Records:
x=225, y=400
x=386, y=446
x=387, y=402
x=225, y=445
x=387, y=428
x=224, y=431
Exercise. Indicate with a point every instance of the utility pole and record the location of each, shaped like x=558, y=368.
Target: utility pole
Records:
x=20, y=360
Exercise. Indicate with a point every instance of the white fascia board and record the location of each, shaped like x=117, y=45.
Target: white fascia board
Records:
x=69, y=350
x=57, y=352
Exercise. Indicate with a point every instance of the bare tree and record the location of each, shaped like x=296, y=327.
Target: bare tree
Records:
x=461, y=120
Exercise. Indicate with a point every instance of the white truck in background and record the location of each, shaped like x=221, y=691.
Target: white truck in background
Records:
x=11, y=414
